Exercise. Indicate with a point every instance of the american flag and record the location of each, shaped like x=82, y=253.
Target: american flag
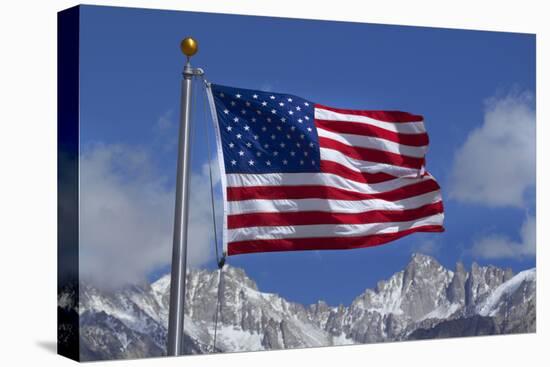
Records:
x=298, y=175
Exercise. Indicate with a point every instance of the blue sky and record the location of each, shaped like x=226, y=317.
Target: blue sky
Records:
x=471, y=87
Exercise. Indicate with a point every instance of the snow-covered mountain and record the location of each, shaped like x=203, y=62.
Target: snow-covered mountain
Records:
x=424, y=300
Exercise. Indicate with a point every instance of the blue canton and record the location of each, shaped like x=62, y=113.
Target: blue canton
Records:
x=263, y=132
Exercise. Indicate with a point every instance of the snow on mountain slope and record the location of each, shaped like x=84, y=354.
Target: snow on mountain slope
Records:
x=494, y=302
x=132, y=322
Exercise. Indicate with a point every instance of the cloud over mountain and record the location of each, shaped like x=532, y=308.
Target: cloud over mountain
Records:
x=496, y=246
x=126, y=216
x=496, y=164
x=496, y=168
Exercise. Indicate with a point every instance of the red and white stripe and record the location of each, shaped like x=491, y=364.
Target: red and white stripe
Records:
x=372, y=189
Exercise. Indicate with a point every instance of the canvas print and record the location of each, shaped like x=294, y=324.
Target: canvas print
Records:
x=233, y=183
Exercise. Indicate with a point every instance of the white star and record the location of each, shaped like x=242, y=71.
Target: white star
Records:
x=255, y=96
x=282, y=145
x=273, y=136
x=226, y=111
x=311, y=145
x=268, y=163
x=266, y=146
x=249, y=144
x=309, y=129
x=313, y=162
x=258, y=154
x=292, y=153
x=264, y=103
x=233, y=162
x=306, y=117
x=279, y=127
x=232, y=103
x=243, y=112
x=251, y=162
x=236, y=119
x=281, y=104
x=238, y=95
x=289, y=99
x=264, y=128
x=275, y=153
x=258, y=112
x=305, y=103
x=298, y=108
x=288, y=136
x=300, y=120
x=255, y=137
x=272, y=97
x=239, y=136
x=246, y=127
x=222, y=95
x=291, y=112
x=298, y=145
x=285, y=161
x=253, y=119
x=241, y=153
x=247, y=104
x=301, y=162
x=229, y=128
x=283, y=119
x=293, y=128
x=268, y=119
x=231, y=145
x=305, y=154
x=273, y=111
x=302, y=136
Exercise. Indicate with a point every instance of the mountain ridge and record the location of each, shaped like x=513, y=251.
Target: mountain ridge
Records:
x=424, y=300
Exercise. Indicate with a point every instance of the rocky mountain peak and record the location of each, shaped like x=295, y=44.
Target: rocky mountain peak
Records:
x=460, y=268
x=422, y=300
x=481, y=280
x=162, y=285
x=456, y=291
x=421, y=267
x=418, y=259
x=424, y=283
x=238, y=275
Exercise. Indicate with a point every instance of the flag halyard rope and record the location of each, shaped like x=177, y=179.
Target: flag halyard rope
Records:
x=220, y=261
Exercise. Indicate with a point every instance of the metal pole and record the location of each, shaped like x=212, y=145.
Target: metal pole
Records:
x=179, y=251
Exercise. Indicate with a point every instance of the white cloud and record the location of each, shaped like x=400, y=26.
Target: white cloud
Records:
x=496, y=164
x=164, y=122
x=427, y=246
x=496, y=246
x=126, y=216
x=165, y=132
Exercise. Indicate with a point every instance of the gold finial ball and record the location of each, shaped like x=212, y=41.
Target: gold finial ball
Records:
x=189, y=46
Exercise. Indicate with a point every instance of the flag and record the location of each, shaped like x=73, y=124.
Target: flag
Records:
x=298, y=175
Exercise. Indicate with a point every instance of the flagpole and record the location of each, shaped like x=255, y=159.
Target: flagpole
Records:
x=179, y=251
